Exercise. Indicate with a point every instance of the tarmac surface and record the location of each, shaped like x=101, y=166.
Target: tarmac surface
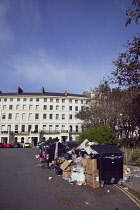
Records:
x=134, y=182
x=24, y=185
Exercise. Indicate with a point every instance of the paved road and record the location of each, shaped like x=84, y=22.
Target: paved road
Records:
x=25, y=186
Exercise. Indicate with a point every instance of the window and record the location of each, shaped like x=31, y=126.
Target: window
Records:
x=30, y=116
x=3, y=116
x=36, y=128
x=18, y=99
x=36, y=116
x=70, y=100
x=70, y=108
x=76, y=127
x=50, y=127
x=0, y=99
x=10, y=107
x=70, y=128
x=24, y=107
x=57, y=100
x=24, y=99
x=23, y=116
x=51, y=107
x=11, y=99
x=45, y=107
x=3, y=128
x=63, y=100
x=57, y=107
x=37, y=99
x=45, y=99
x=56, y=127
x=76, y=101
x=23, y=128
x=22, y=140
x=4, y=107
x=63, y=116
x=70, y=116
x=63, y=107
x=81, y=101
x=30, y=107
x=63, y=127
x=29, y=128
x=17, y=116
x=57, y=116
x=44, y=116
x=51, y=99
x=16, y=128
x=31, y=99
x=9, y=127
x=76, y=108
x=44, y=127
x=37, y=107
x=5, y=99
x=10, y=116
x=17, y=107
x=51, y=116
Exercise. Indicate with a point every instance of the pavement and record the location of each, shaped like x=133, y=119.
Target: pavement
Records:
x=134, y=182
x=25, y=185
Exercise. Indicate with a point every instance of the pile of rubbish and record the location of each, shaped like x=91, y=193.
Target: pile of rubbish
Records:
x=88, y=163
x=80, y=170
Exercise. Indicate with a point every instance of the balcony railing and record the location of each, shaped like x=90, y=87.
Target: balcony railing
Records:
x=53, y=131
x=7, y=132
x=41, y=132
x=4, y=132
x=74, y=132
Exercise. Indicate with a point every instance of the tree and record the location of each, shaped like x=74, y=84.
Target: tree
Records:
x=102, y=134
x=127, y=72
x=103, y=108
x=133, y=14
x=136, y=156
x=118, y=109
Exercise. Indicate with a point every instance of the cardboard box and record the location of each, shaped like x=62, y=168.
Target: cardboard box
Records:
x=73, y=150
x=93, y=179
x=66, y=174
x=64, y=165
x=84, y=162
x=61, y=160
x=86, y=177
x=126, y=171
x=74, y=156
x=70, y=167
x=126, y=174
x=91, y=166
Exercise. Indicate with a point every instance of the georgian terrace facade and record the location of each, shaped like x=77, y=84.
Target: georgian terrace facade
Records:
x=33, y=117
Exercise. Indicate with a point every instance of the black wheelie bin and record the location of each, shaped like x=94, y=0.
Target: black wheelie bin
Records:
x=109, y=162
x=54, y=150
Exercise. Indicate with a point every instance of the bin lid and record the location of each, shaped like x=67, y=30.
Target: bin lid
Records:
x=53, y=146
x=102, y=149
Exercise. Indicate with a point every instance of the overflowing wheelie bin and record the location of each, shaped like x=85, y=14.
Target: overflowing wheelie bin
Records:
x=51, y=150
x=109, y=162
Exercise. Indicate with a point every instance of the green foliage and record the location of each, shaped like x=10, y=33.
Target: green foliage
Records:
x=136, y=155
x=102, y=134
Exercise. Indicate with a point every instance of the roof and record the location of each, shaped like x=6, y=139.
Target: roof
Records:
x=106, y=149
x=44, y=94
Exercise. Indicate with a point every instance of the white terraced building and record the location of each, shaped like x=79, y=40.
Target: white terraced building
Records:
x=33, y=117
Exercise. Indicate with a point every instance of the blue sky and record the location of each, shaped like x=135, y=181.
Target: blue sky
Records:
x=60, y=44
